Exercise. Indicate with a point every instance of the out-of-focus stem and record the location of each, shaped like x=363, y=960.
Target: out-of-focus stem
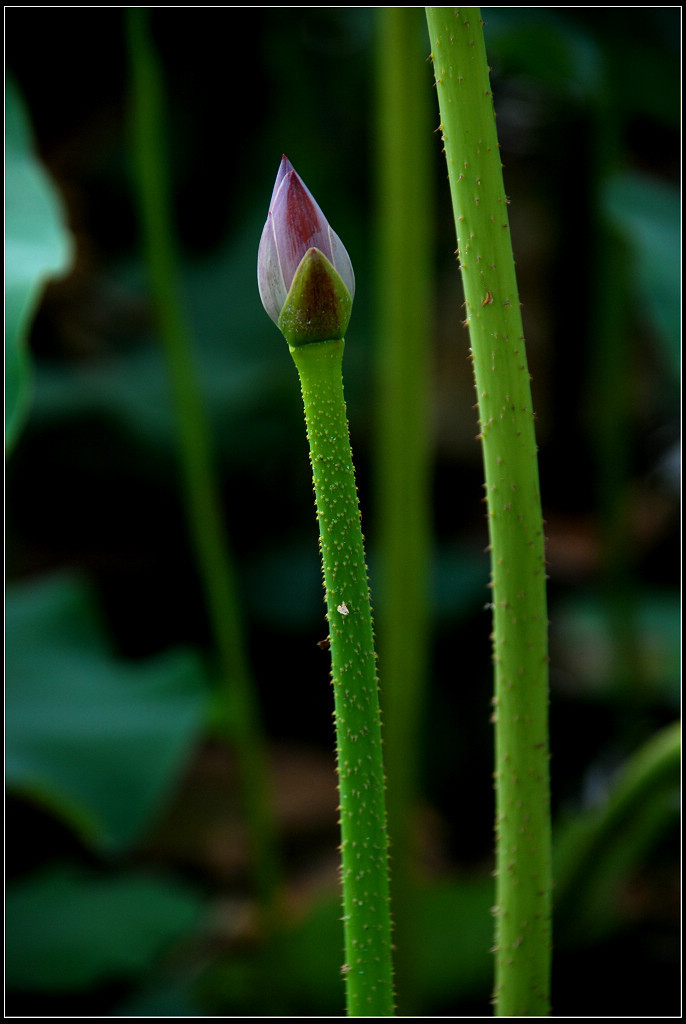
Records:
x=404, y=319
x=237, y=707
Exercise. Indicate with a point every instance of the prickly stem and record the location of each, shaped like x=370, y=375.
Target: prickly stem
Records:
x=523, y=930
x=364, y=854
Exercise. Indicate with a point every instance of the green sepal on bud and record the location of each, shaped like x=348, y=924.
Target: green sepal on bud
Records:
x=318, y=305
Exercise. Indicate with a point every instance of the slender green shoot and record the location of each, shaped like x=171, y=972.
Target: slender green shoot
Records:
x=520, y=651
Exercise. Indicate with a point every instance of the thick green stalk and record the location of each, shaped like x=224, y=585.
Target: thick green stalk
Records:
x=523, y=857
x=364, y=853
x=402, y=470
x=237, y=711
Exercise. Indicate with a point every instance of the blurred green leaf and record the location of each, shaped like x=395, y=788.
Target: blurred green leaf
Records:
x=37, y=246
x=168, y=994
x=455, y=934
x=545, y=47
x=455, y=939
x=98, y=740
x=647, y=212
x=242, y=362
x=68, y=930
x=586, y=646
x=598, y=849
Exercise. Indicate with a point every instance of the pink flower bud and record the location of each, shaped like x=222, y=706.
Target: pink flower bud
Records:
x=295, y=226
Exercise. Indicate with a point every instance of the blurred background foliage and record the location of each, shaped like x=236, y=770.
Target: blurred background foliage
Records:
x=128, y=883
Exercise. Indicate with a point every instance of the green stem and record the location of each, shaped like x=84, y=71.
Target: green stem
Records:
x=523, y=855
x=404, y=210
x=364, y=854
x=238, y=714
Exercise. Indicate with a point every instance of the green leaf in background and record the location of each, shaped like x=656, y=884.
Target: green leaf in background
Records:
x=245, y=382
x=585, y=650
x=542, y=45
x=598, y=850
x=453, y=926
x=37, y=246
x=647, y=212
x=69, y=930
x=98, y=740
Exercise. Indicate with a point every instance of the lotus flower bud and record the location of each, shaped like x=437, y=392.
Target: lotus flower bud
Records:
x=304, y=273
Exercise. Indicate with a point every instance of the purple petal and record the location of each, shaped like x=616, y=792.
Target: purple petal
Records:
x=299, y=225
x=270, y=279
x=341, y=261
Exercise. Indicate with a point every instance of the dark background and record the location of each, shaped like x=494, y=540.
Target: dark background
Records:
x=582, y=95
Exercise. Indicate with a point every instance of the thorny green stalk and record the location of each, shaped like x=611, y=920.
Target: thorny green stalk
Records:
x=364, y=853
x=520, y=651
x=403, y=285
x=237, y=709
